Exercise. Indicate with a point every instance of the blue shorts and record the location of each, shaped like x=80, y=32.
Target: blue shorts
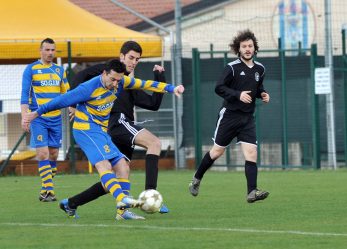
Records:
x=97, y=145
x=46, y=132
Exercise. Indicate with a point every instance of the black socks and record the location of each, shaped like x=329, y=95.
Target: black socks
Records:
x=151, y=171
x=205, y=164
x=251, y=172
x=87, y=195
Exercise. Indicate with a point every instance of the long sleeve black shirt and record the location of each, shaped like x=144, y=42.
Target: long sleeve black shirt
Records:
x=238, y=77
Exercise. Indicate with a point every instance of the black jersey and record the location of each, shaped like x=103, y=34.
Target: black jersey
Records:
x=238, y=77
x=128, y=99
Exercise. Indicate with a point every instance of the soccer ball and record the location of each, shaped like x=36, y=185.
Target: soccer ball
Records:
x=152, y=200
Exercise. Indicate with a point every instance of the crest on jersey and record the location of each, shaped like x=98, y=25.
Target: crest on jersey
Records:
x=57, y=70
x=257, y=77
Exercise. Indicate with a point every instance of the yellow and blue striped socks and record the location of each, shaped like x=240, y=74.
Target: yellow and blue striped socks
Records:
x=53, y=167
x=45, y=172
x=125, y=185
x=109, y=180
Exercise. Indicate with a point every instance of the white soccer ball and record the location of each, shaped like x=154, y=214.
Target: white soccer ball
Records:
x=152, y=200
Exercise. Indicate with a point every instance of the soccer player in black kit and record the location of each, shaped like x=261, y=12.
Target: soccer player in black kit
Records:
x=239, y=85
x=123, y=130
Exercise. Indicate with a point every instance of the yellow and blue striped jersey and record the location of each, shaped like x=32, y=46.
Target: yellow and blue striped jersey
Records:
x=94, y=101
x=42, y=83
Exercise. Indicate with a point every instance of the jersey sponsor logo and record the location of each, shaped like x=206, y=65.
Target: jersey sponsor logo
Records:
x=50, y=82
x=257, y=76
x=40, y=138
x=106, y=148
x=242, y=73
x=104, y=107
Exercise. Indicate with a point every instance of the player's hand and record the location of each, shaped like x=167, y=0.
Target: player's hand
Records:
x=25, y=125
x=27, y=118
x=158, y=68
x=72, y=113
x=265, y=97
x=179, y=90
x=245, y=97
x=30, y=116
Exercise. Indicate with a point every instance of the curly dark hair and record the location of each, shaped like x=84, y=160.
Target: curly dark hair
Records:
x=244, y=35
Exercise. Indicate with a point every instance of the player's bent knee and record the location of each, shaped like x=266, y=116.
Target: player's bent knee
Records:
x=156, y=143
x=42, y=155
x=122, y=169
x=122, y=172
x=216, y=153
x=251, y=156
x=103, y=166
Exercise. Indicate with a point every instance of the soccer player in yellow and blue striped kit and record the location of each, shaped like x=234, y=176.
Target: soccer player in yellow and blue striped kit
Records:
x=42, y=81
x=94, y=100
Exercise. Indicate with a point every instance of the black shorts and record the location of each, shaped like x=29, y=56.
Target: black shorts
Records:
x=231, y=124
x=123, y=132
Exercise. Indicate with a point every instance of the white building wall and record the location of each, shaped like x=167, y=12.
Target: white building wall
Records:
x=219, y=26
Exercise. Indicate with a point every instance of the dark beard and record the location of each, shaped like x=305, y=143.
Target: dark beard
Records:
x=250, y=59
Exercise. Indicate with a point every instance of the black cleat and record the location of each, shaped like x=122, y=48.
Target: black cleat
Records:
x=257, y=195
x=194, y=186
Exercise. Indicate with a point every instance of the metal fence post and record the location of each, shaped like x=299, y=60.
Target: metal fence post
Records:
x=315, y=112
x=72, y=161
x=344, y=76
x=284, y=105
x=196, y=99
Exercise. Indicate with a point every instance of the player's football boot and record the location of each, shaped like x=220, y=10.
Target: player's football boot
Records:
x=163, y=209
x=50, y=197
x=42, y=196
x=194, y=186
x=129, y=202
x=257, y=195
x=47, y=197
x=71, y=213
x=125, y=214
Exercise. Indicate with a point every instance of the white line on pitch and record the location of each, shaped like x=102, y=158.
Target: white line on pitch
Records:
x=239, y=230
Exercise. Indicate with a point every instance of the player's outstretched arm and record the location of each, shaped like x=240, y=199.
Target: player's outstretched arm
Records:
x=73, y=97
x=150, y=85
x=179, y=90
x=151, y=101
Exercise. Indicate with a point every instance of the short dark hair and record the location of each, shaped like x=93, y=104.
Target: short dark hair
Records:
x=115, y=65
x=130, y=45
x=244, y=35
x=47, y=40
